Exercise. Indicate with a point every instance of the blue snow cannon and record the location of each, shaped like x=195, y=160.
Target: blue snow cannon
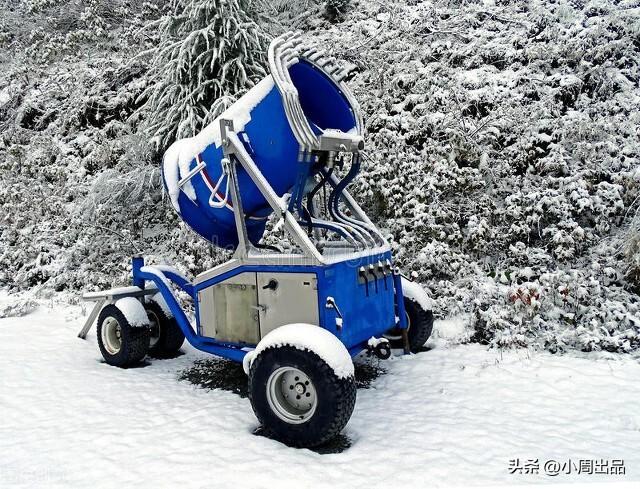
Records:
x=294, y=314
x=259, y=118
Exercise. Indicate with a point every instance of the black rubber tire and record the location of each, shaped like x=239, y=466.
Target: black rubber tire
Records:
x=134, y=340
x=171, y=336
x=420, y=327
x=336, y=397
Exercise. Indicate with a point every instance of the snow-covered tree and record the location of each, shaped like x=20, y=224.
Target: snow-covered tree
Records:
x=208, y=50
x=335, y=9
x=502, y=156
x=631, y=250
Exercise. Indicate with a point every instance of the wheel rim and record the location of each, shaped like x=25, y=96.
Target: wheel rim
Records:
x=112, y=335
x=154, y=322
x=291, y=395
x=395, y=334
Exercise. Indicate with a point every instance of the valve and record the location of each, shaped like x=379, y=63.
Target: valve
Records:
x=379, y=347
x=273, y=285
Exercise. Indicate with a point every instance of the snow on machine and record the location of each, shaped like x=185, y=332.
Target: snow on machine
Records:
x=286, y=150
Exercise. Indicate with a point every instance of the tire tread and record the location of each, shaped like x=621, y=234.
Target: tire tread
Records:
x=424, y=320
x=171, y=336
x=135, y=342
x=345, y=394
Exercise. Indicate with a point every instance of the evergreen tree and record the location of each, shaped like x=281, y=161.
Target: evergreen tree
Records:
x=209, y=51
x=335, y=9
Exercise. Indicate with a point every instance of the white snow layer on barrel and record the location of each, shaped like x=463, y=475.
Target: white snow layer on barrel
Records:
x=180, y=154
x=307, y=337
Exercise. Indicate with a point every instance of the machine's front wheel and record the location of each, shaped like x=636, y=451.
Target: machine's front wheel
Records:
x=419, y=327
x=298, y=397
x=166, y=337
x=121, y=344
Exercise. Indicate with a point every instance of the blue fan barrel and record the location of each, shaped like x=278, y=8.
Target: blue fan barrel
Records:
x=204, y=202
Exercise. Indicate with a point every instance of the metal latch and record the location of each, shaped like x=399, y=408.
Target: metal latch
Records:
x=273, y=285
x=331, y=304
x=363, y=278
x=372, y=272
x=383, y=271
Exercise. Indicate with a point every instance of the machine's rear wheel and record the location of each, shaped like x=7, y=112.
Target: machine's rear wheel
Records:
x=121, y=344
x=420, y=327
x=298, y=397
x=166, y=337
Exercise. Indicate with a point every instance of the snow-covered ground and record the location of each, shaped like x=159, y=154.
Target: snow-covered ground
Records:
x=451, y=416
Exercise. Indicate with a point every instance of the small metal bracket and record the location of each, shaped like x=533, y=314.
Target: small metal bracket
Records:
x=374, y=276
x=363, y=277
x=383, y=273
x=341, y=142
x=372, y=272
x=226, y=125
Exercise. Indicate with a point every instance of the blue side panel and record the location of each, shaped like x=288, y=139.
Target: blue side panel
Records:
x=367, y=310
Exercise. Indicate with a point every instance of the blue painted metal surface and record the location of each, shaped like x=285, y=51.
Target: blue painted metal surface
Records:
x=366, y=310
x=270, y=141
x=136, y=263
x=232, y=352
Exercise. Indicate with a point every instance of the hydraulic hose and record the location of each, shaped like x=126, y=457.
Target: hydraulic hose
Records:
x=334, y=201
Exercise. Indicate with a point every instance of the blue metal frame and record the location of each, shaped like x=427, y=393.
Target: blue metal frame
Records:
x=367, y=309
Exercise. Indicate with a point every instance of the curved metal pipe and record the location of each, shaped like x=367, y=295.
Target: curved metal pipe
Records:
x=334, y=202
x=332, y=226
x=282, y=52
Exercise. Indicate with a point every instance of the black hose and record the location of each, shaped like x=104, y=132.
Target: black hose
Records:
x=334, y=199
x=323, y=180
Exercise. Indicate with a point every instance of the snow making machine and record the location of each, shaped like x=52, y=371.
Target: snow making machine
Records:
x=280, y=158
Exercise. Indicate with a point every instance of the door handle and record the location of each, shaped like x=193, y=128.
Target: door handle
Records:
x=273, y=285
